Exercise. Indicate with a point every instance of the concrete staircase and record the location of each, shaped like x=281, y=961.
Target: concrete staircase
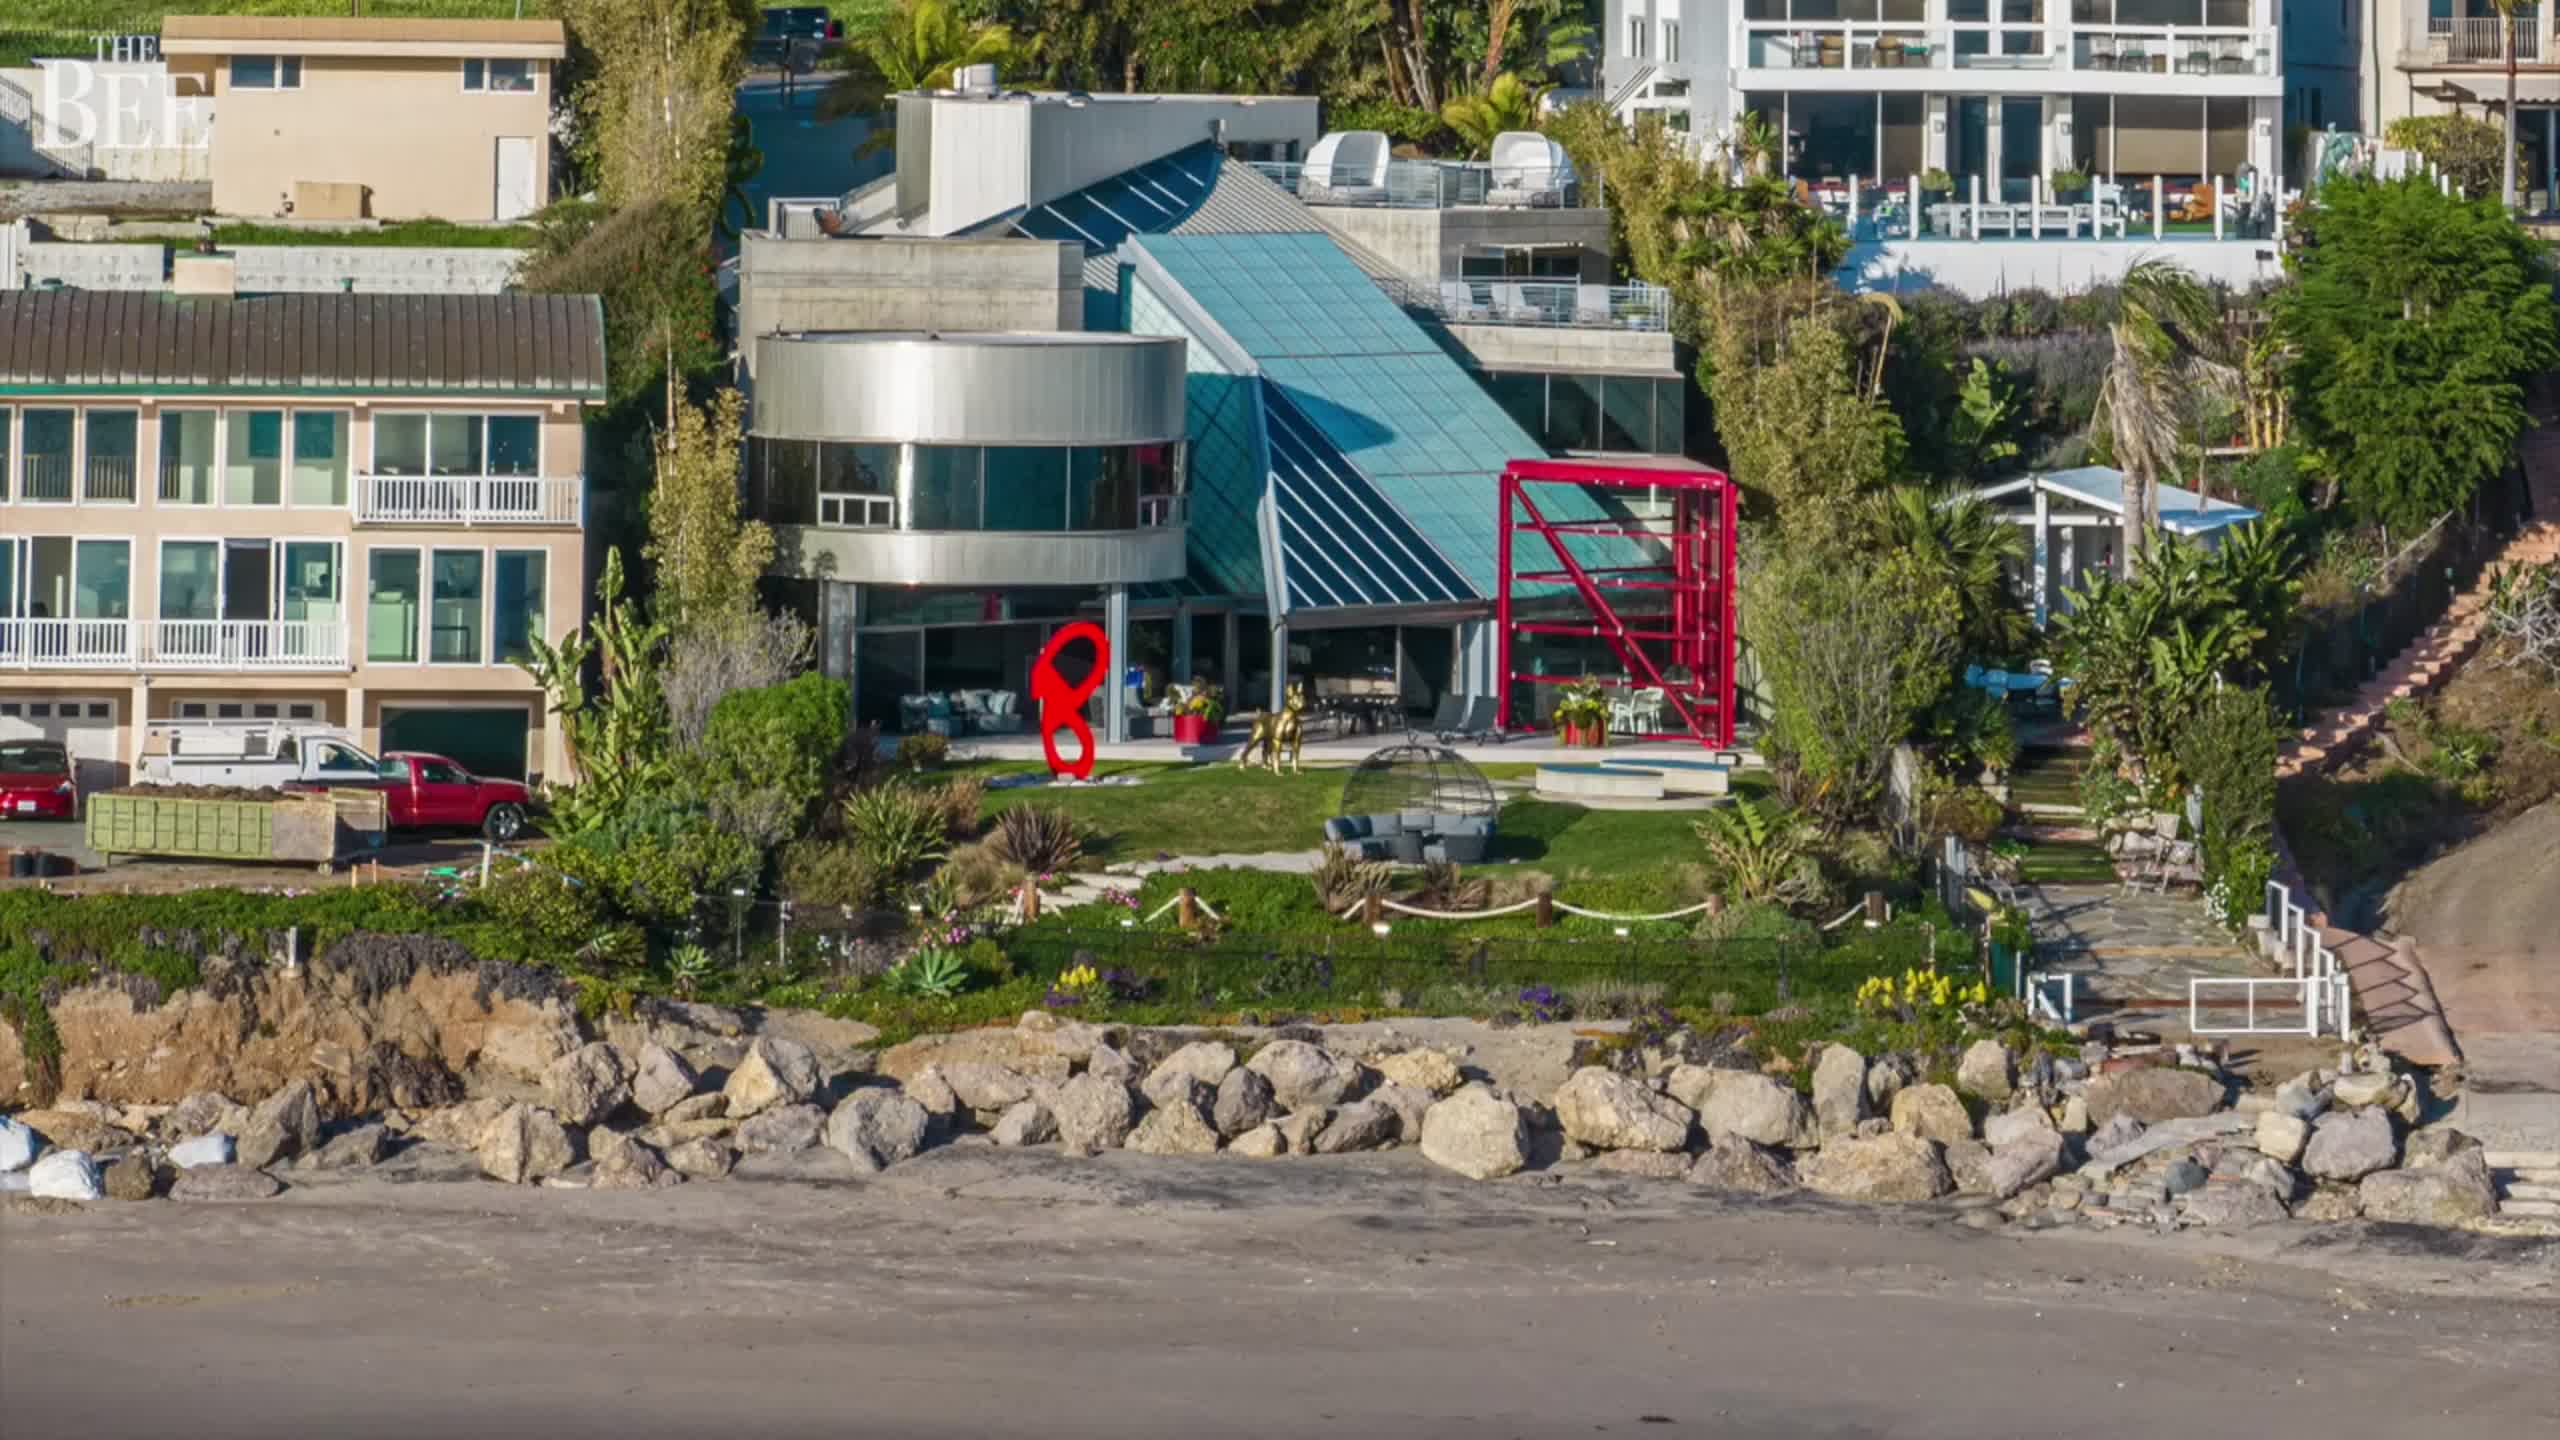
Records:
x=2431, y=658
x=2528, y=1182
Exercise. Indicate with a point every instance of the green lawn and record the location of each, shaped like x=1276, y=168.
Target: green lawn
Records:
x=436, y=233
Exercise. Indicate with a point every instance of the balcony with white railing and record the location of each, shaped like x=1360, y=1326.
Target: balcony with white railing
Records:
x=1432, y=185
x=1847, y=55
x=466, y=500
x=1553, y=303
x=67, y=644
x=2467, y=42
x=250, y=644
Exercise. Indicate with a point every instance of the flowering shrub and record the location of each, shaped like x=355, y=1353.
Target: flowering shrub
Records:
x=1918, y=993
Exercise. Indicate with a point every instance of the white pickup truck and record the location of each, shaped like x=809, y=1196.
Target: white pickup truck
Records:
x=262, y=756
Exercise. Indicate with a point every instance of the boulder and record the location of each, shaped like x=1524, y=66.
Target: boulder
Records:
x=284, y=1125
x=1896, y=1167
x=588, y=1084
x=2301, y=1100
x=876, y=1127
x=2273, y=1177
x=2434, y=1146
x=1931, y=1112
x=1477, y=1133
x=18, y=1145
x=1179, y=1123
x=793, y=1127
x=224, y=1182
x=1839, y=1091
x=1070, y=1040
x=2328, y=1203
x=702, y=1158
x=981, y=1085
x=1111, y=1062
x=1969, y=1165
x=1244, y=1101
x=2351, y=1144
x=774, y=1072
x=1039, y=1052
x=1747, y=1105
x=2448, y=1192
x=2152, y=1094
x=661, y=1080
x=2011, y=1126
x=525, y=1143
x=132, y=1178
x=1886, y=1074
x=1409, y=1105
x=712, y=1106
x=1604, y=1109
x=1429, y=1071
x=355, y=1149
x=65, y=1175
x=1094, y=1113
x=202, y=1150
x=1299, y=1128
x=2075, y=1115
x=459, y=1126
x=1262, y=1142
x=1361, y=1125
x=1743, y=1168
x=2183, y=1176
x=1206, y=1061
x=1643, y=1164
x=202, y=1113
x=2376, y=1088
x=1304, y=1075
x=2119, y=1131
x=928, y=1088
x=1985, y=1071
x=2027, y=1159
x=1026, y=1122
x=636, y=1165
x=2281, y=1135
x=2231, y=1204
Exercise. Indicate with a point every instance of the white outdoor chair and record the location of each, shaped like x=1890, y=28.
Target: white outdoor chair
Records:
x=1638, y=712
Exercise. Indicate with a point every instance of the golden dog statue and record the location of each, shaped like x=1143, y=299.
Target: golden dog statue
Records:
x=1271, y=733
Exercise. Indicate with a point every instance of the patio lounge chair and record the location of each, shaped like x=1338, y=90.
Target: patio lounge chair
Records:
x=1638, y=712
x=1483, y=713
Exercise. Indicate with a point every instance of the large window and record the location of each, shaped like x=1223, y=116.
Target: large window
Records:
x=114, y=455
x=190, y=580
x=947, y=488
x=1026, y=488
x=44, y=467
x=457, y=444
x=454, y=620
x=516, y=603
x=103, y=589
x=187, y=452
x=503, y=77
x=308, y=586
x=266, y=72
x=253, y=457
x=391, y=608
x=319, y=457
x=1609, y=413
x=858, y=485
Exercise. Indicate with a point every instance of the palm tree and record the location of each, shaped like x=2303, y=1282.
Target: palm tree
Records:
x=1508, y=104
x=920, y=45
x=2161, y=337
x=1954, y=536
x=2507, y=11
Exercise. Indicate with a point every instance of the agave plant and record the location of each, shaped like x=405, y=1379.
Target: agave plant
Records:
x=894, y=828
x=933, y=972
x=689, y=968
x=1041, y=839
x=1765, y=853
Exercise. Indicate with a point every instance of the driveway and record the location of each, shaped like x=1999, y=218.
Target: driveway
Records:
x=2486, y=920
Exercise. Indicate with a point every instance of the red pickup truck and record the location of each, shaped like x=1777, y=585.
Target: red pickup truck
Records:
x=423, y=791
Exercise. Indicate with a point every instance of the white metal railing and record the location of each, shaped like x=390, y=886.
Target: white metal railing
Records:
x=2190, y=50
x=250, y=644
x=466, y=499
x=110, y=478
x=1155, y=512
x=2317, y=999
x=44, y=477
x=41, y=644
x=1558, y=303
x=2472, y=40
x=1427, y=184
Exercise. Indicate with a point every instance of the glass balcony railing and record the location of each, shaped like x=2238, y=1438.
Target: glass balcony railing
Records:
x=2190, y=50
x=1430, y=185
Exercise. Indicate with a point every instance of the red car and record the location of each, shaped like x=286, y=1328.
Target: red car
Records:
x=432, y=791
x=35, y=781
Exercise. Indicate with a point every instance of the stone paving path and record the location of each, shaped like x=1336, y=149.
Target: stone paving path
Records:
x=2130, y=949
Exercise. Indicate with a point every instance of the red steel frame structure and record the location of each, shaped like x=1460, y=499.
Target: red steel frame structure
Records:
x=1697, y=576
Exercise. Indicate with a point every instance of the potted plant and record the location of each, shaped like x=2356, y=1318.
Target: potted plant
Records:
x=1197, y=721
x=2071, y=187
x=1582, y=715
x=1936, y=185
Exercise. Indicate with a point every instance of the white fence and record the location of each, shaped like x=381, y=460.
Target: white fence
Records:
x=2316, y=1000
x=466, y=500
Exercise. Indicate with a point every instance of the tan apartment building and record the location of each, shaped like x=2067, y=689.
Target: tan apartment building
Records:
x=350, y=509
x=396, y=119
x=2449, y=57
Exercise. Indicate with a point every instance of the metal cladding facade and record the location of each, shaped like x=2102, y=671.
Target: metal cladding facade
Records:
x=1049, y=389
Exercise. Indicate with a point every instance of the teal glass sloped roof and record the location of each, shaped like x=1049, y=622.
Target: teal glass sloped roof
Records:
x=1148, y=200
x=1385, y=452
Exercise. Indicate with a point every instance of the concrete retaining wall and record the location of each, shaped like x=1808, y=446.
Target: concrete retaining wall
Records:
x=1979, y=269
x=1562, y=347
x=270, y=269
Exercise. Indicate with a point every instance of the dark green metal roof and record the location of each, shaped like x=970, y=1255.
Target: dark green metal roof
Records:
x=142, y=342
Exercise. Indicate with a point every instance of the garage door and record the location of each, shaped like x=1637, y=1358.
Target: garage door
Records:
x=487, y=742
x=84, y=724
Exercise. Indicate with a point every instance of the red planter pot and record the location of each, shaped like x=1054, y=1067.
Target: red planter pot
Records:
x=1193, y=730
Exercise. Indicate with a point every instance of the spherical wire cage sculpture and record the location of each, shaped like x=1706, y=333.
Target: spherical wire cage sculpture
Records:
x=1416, y=776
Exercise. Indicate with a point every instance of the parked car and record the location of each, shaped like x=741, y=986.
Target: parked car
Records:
x=35, y=781
x=435, y=792
x=259, y=755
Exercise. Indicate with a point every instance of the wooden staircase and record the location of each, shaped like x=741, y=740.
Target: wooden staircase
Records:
x=2431, y=658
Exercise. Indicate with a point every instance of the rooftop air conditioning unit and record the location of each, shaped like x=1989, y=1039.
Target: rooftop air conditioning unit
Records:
x=975, y=79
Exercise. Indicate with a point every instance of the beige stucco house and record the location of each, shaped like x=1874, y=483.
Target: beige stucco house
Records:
x=2449, y=57
x=397, y=119
x=351, y=509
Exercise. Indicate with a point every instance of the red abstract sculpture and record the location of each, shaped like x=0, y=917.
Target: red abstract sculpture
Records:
x=1062, y=704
